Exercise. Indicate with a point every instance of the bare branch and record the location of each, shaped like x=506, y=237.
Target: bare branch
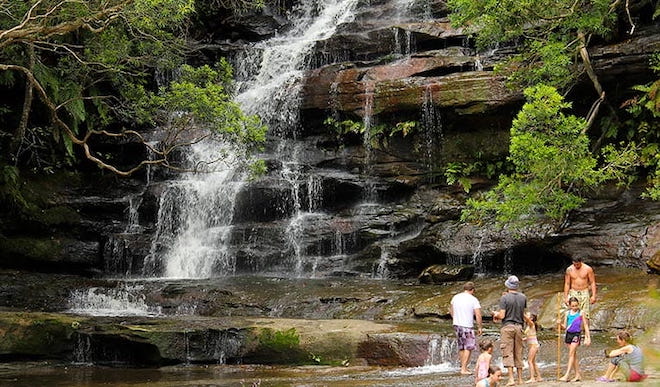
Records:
x=31, y=31
x=33, y=83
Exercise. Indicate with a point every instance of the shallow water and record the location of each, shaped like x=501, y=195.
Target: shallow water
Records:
x=225, y=375
x=417, y=307
x=33, y=374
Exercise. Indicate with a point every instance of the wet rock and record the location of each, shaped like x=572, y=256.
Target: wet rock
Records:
x=396, y=349
x=50, y=254
x=446, y=273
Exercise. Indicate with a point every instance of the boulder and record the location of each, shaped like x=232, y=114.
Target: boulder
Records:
x=446, y=273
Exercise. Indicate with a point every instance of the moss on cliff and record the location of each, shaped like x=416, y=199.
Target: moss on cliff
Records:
x=36, y=335
x=37, y=249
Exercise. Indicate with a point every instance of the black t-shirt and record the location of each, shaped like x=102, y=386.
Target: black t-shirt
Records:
x=514, y=303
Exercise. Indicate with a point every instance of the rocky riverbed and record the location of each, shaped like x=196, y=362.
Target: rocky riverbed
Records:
x=283, y=331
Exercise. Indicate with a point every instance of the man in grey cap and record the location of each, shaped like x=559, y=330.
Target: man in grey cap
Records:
x=512, y=314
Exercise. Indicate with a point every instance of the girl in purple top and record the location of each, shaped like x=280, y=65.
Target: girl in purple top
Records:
x=574, y=323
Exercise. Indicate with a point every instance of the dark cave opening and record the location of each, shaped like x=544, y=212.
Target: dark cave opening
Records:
x=528, y=258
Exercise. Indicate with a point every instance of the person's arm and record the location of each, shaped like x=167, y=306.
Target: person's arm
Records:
x=477, y=315
x=592, y=281
x=528, y=320
x=621, y=351
x=499, y=315
x=587, y=332
x=451, y=309
x=567, y=284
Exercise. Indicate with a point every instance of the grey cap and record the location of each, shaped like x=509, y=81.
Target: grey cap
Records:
x=512, y=282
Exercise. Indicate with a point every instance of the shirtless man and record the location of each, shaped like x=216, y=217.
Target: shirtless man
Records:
x=579, y=279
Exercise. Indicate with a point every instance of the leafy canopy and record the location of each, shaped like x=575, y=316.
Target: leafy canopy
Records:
x=555, y=161
x=89, y=68
x=550, y=32
x=553, y=165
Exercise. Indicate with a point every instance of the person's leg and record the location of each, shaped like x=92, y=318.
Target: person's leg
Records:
x=531, y=360
x=576, y=367
x=511, y=381
x=571, y=360
x=517, y=351
x=576, y=363
x=461, y=342
x=507, y=335
x=464, y=356
x=624, y=369
x=610, y=371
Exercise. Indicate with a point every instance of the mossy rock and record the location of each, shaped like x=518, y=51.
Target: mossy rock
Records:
x=59, y=215
x=36, y=335
x=36, y=249
x=271, y=346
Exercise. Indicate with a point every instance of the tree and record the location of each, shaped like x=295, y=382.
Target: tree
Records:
x=553, y=165
x=87, y=68
x=554, y=159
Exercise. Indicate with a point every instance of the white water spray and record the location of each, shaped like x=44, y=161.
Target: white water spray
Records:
x=195, y=218
x=270, y=72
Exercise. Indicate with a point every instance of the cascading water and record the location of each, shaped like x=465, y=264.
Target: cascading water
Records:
x=195, y=212
x=195, y=218
x=431, y=128
x=126, y=300
x=269, y=81
x=269, y=72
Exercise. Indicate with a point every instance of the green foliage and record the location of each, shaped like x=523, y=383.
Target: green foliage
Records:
x=96, y=63
x=257, y=169
x=460, y=172
x=378, y=134
x=10, y=192
x=201, y=98
x=549, y=29
x=643, y=126
x=553, y=165
x=342, y=128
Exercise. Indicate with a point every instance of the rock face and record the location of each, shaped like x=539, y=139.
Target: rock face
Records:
x=335, y=205
x=446, y=273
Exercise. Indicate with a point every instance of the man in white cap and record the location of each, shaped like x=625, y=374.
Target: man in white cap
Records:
x=464, y=309
x=512, y=314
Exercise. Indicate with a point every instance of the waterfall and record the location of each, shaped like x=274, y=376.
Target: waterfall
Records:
x=478, y=255
x=195, y=213
x=269, y=73
x=508, y=261
x=370, y=187
x=82, y=351
x=134, y=202
x=388, y=246
x=432, y=128
x=478, y=66
x=195, y=217
x=126, y=300
x=441, y=351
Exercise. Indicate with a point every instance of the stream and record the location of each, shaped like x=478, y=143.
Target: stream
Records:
x=627, y=299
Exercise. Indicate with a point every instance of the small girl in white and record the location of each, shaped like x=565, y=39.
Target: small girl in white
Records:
x=483, y=361
x=532, y=348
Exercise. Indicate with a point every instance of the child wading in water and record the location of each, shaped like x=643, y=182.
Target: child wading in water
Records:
x=628, y=358
x=532, y=348
x=574, y=323
x=494, y=375
x=483, y=361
